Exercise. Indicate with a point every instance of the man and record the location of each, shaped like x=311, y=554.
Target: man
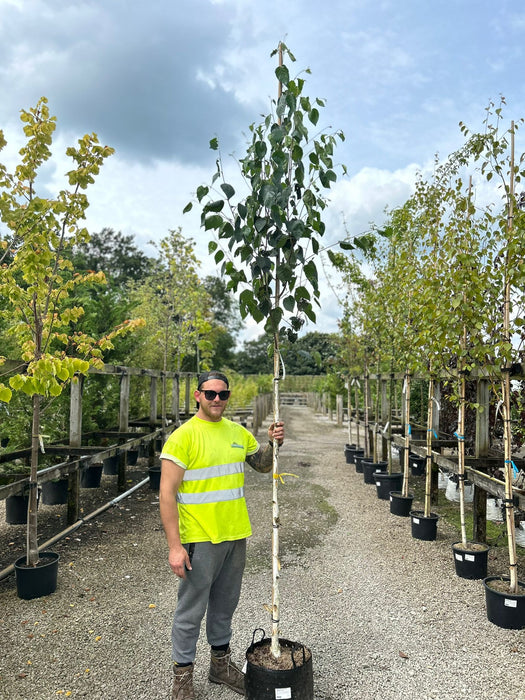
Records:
x=206, y=522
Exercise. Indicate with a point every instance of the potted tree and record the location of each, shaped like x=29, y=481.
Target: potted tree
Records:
x=267, y=243
x=37, y=279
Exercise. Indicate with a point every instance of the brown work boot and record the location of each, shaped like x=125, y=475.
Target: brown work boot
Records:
x=182, y=683
x=224, y=671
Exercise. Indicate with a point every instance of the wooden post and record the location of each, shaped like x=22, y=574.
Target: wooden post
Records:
x=339, y=409
x=152, y=416
x=384, y=419
x=175, y=400
x=187, y=397
x=123, y=428
x=75, y=440
x=479, y=505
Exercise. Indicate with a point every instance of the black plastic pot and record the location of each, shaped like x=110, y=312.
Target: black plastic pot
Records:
x=359, y=456
x=90, y=477
x=37, y=581
x=387, y=482
x=417, y=464
x=504, y=609
x=399, y=504
x=54, y=493
x=370, y=469
x=296, y=683
x=154, y=478
x=133, y=455
x=349, y=453
x=110, y=465
x=16, y=509
x=470, y=563
x=424, y=528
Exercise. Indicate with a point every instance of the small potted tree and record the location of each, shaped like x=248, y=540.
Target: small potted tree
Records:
x=38, y=279
x=266, y=243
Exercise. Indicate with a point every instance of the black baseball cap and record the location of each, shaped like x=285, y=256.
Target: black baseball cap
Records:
x=212, y=374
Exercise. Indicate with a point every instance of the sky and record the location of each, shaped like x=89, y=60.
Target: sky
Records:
x=157, y=80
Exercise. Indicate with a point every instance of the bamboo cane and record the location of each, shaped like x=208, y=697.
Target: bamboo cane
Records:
x=349, y=401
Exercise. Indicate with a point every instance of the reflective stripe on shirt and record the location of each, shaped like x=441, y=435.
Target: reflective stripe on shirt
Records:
x=210, y=496
x=213, y=472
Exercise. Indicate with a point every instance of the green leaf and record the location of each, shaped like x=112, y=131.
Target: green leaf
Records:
x=5, y=393
x=213, y=221
x=202, y=191
x=346, y=245
x=314, y=116
x=214, y=144
x=282, y=74
x=187, y=208
x=289, y=303
x=228, y=190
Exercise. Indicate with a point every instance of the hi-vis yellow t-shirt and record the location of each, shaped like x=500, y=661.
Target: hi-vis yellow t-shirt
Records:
x=211, y=502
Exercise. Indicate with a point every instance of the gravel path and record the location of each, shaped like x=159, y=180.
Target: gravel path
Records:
x=384, y=614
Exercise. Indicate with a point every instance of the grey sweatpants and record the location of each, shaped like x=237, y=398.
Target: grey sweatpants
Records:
x=213, y=583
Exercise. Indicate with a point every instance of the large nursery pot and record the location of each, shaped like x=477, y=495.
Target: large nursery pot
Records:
x=291, y=676
x=54, y=492
x=91, y=476
x=359, y=456
x=349, y=453
x=504, y=609
x=370, y=468
x=471, y=560
x=417, y=464
x=16, y=509
x=399, y=504
x=37, y=581
x=154, y=477
x=110, y=465
x=386, y=482
x=424, y=527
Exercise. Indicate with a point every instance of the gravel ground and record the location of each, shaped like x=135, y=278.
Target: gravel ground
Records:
x=384, y=614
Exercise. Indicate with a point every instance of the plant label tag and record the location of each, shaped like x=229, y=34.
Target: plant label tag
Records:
x=459, y=557
x=283, y=693
x=470, y=557
x=510, y=603
x=415, y=521
x=378, y=483
x=245, y=667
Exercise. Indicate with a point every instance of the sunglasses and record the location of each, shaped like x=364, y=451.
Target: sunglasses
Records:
x=210, y=394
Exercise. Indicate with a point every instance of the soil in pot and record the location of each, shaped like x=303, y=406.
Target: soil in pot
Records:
x=370, y=468
x=399, y=504
x=504, y=609
x=289, y=676
x=387, y=482
x=424, y=527
x=37, y=581
x=471, y=559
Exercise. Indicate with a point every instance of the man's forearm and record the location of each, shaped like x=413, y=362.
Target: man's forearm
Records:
x=262, y=460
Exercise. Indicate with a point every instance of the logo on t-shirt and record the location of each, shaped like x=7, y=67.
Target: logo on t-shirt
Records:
x=234, y=444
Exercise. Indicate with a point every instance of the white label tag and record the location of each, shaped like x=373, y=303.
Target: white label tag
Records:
x=378, y=483
x=245, y=667
x=459, y=557
x=283, y=693
x=510, y=603
x=415, y=521
x=470, y=557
